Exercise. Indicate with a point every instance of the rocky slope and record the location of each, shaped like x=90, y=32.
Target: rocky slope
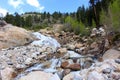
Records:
x=52, y=55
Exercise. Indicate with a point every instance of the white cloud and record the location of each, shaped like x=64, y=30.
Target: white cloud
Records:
x=35, y=3
x=3, y=11
x=15, y=3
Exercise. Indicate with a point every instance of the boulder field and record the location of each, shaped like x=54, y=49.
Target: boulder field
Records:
x=52, y=55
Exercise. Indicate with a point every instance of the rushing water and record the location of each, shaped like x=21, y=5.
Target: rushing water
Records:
x=46, y=41
x=40, y=67
x=54, y=63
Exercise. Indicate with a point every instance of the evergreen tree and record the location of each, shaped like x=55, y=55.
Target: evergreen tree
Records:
x=17, y=18
x=28, y=21
x=9, y=18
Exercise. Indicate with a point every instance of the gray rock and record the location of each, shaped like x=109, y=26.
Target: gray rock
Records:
x=108, y=70
x=9, y=63
x=117, y=61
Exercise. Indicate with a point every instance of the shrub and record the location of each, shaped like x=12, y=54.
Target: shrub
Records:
x=73, y=25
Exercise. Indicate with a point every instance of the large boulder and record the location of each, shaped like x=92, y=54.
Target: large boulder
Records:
x=111, y=54
x=70, y=65
x=11, y=36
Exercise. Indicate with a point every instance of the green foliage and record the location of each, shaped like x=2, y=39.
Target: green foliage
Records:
x=112, y=17
x=17, y=19
x=104, y=18
x=115, y=11
x=73, y=25
x=9, y=18
x=81, y=14
x=99, y=11
x=38, y=27
x=28, y=21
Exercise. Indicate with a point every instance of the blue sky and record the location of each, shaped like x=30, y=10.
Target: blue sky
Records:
x=22, y=6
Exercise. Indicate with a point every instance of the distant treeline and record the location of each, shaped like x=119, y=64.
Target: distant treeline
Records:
x=99, y=12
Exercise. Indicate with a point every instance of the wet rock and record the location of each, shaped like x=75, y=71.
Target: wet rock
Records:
x=9, y=62
x=117, y=61
x=64, y=64
x=70, y=65
x=87, y=64
x=74, y=66
x=66, y=71
x=72, y=54
x=37, y=75
x=111, y=54
x=107, y=70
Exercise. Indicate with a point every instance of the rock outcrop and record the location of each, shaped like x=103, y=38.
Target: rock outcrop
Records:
x=11, y=36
